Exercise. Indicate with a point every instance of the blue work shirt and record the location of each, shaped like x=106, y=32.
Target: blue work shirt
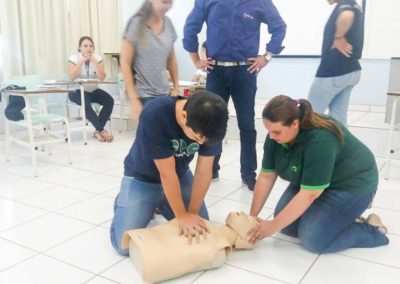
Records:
x=233, y=28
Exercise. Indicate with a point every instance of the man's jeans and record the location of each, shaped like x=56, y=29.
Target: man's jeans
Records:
x=333, y=93
x=238, y=83
x=137, y=201
x=328, y=225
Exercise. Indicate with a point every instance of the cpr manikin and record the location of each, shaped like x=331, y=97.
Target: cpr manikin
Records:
x=159, y=253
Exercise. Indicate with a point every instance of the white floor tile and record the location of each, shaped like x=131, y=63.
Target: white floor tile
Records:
x=231, y=173
x=45, y=232
x=389, y=184
x=97, y=183
x=387, y=255
x=372, y=120
x=210, y=200
x=12, y=254
x=55, y=198
x=91, y=251
x=97, y=164
x=64, y=175
x=25, y=168
x=100, y=280
x=223, y=187
x=44, y=270
x=13, y=214
x=22, y=187
x=233, y=275
x=7, y=177
x=387, y=200
x=123, y=272
x=354, y=116
x=112, y=193
x=274, y=258
x=355, y=108
x=332, y=267
x=95, y=210
x=117, y=171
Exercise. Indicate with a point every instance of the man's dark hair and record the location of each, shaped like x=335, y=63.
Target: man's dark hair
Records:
x=207, y=115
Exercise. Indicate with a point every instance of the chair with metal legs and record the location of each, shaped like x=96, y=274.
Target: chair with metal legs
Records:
x=391, y=148
x=37, y=122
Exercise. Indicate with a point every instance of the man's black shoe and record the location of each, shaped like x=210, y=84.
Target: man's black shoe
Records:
x=215, y=176
x=249, y=182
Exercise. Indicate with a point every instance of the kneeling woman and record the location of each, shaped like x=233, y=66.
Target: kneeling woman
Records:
x=87, y=65
x=333, y=178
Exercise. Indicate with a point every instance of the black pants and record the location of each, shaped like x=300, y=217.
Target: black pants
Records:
x=100, y=97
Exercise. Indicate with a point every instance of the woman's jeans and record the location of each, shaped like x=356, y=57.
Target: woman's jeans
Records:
x=328, y=225
x=137, y=201
x=100, y=97
x=333, y=93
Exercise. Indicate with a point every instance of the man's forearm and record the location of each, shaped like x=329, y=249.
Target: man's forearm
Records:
x=199, y=190
x=172, y=191
x=201, y=182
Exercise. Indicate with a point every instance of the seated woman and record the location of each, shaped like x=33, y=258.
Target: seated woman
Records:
x=333, y=178
x=87, y=65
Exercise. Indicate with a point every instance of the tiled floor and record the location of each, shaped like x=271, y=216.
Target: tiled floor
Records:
x=54, y=228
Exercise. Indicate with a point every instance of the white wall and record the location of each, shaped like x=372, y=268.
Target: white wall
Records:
x=288, y=76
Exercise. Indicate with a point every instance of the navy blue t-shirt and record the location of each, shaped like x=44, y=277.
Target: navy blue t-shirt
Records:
x=333, y=63
x=158, y=136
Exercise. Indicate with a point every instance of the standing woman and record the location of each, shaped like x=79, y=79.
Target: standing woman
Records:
x=147, y=55
x=333, y=178
x=87, y=65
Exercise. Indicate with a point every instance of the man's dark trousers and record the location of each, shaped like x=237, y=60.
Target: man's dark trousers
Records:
x=238, y=83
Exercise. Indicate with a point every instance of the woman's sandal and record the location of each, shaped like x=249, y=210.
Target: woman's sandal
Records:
x=375, y=221
x=98, y=136
x=106, y=136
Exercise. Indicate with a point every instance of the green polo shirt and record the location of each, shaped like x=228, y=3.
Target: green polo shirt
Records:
x=319, y=160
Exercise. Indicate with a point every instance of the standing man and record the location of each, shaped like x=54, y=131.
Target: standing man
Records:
x=233, y=39
x=339, y=70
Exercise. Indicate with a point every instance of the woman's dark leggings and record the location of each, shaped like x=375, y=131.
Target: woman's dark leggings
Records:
x=100, y=97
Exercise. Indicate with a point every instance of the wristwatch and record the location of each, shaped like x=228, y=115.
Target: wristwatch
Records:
x=268, y=56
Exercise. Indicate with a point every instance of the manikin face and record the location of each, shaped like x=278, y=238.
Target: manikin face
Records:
x=282, y=134
x=161, y=7
x=86, y=47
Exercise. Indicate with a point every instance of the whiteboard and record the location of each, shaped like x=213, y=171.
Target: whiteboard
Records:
x=382, y=29
x=305, y=22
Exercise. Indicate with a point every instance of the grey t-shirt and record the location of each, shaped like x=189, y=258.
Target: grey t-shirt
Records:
x=151, y=56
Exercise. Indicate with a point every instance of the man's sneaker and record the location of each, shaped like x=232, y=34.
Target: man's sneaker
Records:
x=215, y=176
x=249, y=182
x=375, y=221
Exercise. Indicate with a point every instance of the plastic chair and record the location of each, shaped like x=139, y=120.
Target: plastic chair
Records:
x=37, y=122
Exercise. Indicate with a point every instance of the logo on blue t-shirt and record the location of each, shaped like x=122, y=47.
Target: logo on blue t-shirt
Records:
x=182, y=149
